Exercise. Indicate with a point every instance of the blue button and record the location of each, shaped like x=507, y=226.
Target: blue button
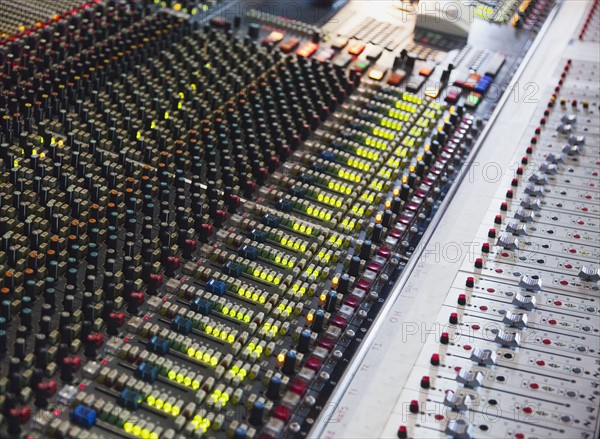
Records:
x=216, y=287
x=258, y=235
x=202, y=306
x=270, y=220
x=248, y=252
x=83, y=416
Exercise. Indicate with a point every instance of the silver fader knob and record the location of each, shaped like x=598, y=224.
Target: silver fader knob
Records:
x=508, y=242
x=532, y=189
x=515, y=319
x=508, y=339
x=576, y=140
x=524, y=216
x=554, y=158
x=565, y=128
x=529, y=283
x=589, y=274
x=470, y=378
x=571, y=150
x=549, y=169
x=532, y=204
x=569, y=118
x=458, y=429
x=456, y=402
x=516, y=228
x=538, y=179
x=524, y=301
x=484, y=357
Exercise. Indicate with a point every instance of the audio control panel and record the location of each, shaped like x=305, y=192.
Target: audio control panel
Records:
x=209, y=207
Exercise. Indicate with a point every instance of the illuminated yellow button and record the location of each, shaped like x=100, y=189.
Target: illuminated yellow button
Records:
x=339, y=43
x=376, y=74
x=275, y=37
x=432, y=92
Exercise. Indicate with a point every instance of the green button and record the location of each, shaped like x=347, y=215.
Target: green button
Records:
x=361, y=65
x=473, y=99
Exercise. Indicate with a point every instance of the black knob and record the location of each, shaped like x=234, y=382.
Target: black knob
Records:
x=289, y=363
x=365, y=250
x=343, y=284
x=134, y=301
x=92, y=342
x=318, y=320
x=354, y=266
x=304, y=341
x=377, y=234
x=274, y=389
x=257, y=414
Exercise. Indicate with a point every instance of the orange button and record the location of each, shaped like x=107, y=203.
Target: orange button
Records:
x=357, y=49
x=307, y=49
x=396, y=78
x=472, y=80
x=289, y=45
x=426, y=71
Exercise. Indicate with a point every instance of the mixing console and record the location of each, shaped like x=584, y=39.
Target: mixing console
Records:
x=207, y=209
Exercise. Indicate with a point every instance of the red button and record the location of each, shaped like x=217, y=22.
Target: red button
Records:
x=326, y=343
x=396, y=234
x=363, y=285
x=339, y=321
x=373, y=266
x=352, y=301
x=298, y=386
x=313, y=363
x=282, y=412
x=384, y=252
